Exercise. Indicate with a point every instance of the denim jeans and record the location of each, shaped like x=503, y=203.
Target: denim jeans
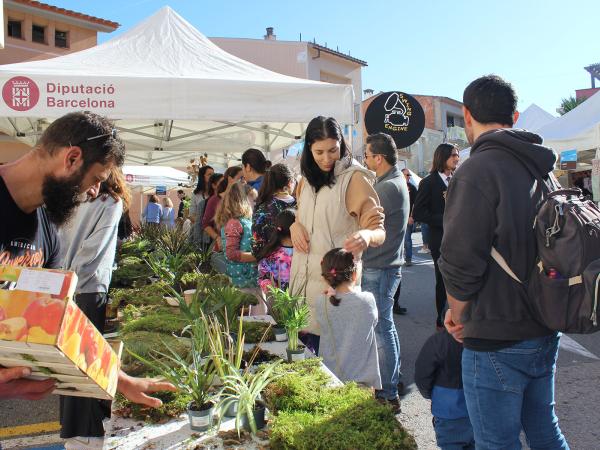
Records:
x=454, y=434
x=510, y=389
x=425, y=233
x=408, y=250
x=382, y=283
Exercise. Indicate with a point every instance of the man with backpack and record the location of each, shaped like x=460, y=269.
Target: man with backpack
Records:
x=509, y=356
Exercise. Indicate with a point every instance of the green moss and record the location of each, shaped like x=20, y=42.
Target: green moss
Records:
x=127, y=275
x=151, y=294
x=311, y=414
x=146, y=344
x=157, y=322
x=174, y=404
x=254, y=331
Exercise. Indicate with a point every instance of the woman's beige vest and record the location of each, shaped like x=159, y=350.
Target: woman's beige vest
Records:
x=328, y=223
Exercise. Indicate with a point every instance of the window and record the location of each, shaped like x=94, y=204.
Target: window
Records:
x=14, y=29
x=449, y=121
x=61, y=39
x=38, y=34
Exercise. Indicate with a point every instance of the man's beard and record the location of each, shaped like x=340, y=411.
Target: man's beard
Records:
x=61, y=197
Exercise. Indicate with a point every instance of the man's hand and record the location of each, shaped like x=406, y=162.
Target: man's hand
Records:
x=300, y=237
x=411, y=221
x=456, y=330
x=13, y=386
x=135, y=389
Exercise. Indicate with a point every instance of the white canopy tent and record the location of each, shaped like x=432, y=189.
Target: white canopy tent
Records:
x=173, y=93
x=145, y=176
x=534, y=118
x=579, y=129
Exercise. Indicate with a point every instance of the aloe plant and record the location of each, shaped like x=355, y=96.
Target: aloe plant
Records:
x=246, y=389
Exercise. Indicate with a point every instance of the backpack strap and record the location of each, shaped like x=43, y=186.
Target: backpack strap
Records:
x=578, y=279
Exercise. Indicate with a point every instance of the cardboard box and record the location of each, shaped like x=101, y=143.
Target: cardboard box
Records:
x=41, y=327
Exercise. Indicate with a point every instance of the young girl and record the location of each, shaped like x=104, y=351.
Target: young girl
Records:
x=275, y=258
x=234, y=219
x=347, y=319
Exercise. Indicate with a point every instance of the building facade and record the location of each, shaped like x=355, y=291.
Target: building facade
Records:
x=307, y=60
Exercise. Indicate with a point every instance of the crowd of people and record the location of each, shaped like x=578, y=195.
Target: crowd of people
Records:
x=339, y=236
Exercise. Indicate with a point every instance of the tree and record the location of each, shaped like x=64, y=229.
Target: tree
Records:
x=567, y=104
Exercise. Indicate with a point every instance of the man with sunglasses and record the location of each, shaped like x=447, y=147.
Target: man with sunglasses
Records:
x=38, y=193
x=382, y=266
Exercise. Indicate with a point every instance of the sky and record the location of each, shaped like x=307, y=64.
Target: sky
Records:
x=430, y=47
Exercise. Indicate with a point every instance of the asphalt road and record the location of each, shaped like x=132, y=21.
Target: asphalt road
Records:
x=578, y=374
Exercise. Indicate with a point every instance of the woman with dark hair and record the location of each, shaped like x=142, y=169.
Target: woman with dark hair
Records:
x=337, y=207
x=274, y=196
x=429, y=209
x=231, y=175
x=198, y=203
x=254, y=166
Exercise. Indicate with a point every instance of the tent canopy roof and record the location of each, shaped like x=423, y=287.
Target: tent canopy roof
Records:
x=578, y=129
x=534, y=118
x=173, y=92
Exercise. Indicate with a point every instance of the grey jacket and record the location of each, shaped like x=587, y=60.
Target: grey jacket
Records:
x=393, y=195
x=88, y=244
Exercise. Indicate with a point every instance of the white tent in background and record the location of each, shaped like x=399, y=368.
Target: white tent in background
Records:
x=534, y=118
x=174, y=94
x=145, y=176
x=579, y=129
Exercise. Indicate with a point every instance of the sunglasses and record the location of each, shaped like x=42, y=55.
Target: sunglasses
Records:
x=113, y=134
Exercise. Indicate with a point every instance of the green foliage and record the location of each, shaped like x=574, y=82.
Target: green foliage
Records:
x=139, y=248
x=174, y=241
x=193, y=377
x=569, y=103
x=256, y=332
x=144, y=343
x=203, y=281
x=148, y=295
x=291, y=311
x=174, y=404
x=246, y=389
x=128, y=274
x=157, y=322
x=310, y=414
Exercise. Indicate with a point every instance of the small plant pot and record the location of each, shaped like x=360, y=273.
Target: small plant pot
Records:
x=112, y=309
x=201, y=419
x=280, y=334
x=295, y=355
x=232, y=409
x=259, y=417
x=189, y=295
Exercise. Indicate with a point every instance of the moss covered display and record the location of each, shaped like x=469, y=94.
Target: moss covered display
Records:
x=254, y=331
x=157, y=322
x=145, y=343
x=130, y=273
x=174, y=404
x=310, y=414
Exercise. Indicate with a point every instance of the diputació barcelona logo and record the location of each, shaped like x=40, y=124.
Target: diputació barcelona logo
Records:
x=20, y=93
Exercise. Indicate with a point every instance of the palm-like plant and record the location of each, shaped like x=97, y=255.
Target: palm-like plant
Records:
x=246, y=389
x=292, y=312
x=569, y=103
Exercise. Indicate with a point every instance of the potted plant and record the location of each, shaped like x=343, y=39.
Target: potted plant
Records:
x=245, y=389
x=227, y=351
x=278, y=301
x=194, y=378
x=296, y=320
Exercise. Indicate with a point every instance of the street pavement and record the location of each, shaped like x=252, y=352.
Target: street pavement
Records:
x=577, y=393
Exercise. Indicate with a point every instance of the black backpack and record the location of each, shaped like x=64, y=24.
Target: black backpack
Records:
x=564, y=286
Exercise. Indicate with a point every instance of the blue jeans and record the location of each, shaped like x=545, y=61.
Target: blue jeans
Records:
x=408, y=250
x=454, y=434
x=382, y=283
x=510, y=389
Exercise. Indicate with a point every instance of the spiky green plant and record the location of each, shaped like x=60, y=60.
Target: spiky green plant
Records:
x=292, y=312
x=246, y=389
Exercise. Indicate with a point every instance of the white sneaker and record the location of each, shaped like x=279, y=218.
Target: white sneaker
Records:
x=424, y=250
x=84, y=443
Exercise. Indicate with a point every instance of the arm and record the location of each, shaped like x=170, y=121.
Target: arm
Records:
x=298, y=233
x=135, y=389
x=13, y=385
x=363, y=203
x=426, y=367
x=422, y=207
x=233, y=234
